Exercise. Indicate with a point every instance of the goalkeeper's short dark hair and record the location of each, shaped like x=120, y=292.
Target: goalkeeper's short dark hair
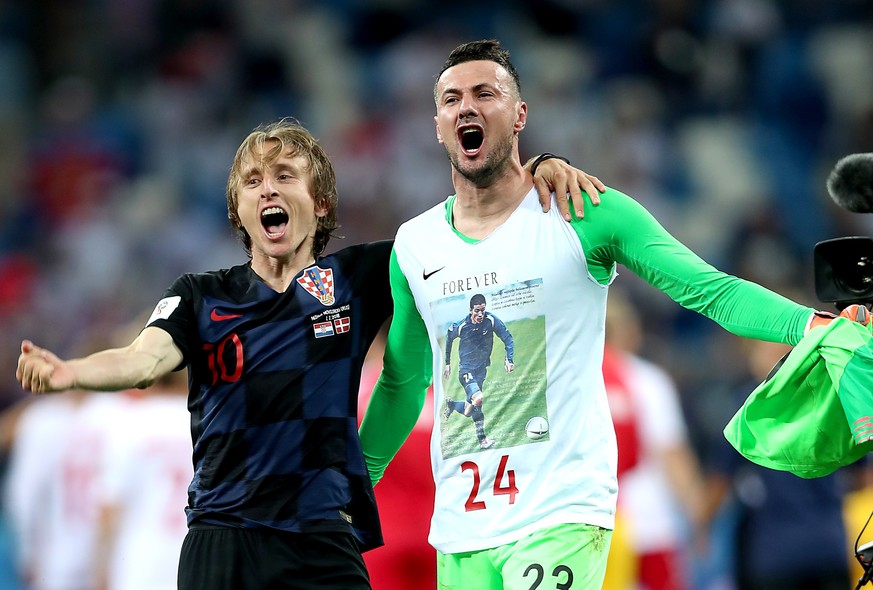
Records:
x=483, y=50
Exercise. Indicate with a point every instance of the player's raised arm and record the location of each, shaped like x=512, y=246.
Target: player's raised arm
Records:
x=151, y=355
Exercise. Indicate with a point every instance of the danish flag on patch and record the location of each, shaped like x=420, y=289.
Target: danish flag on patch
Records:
x=318, y=282
x=342, y=324
x=323, y=329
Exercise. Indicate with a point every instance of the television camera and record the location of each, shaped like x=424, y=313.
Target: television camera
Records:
x=843, y=269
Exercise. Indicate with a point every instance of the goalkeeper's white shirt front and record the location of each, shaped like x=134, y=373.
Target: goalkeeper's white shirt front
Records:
x=533, y=274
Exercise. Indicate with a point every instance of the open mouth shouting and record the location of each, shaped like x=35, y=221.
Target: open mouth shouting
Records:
x=274, y=221
x=471, y=138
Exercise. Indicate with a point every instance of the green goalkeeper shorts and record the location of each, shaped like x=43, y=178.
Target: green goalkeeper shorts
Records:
x=564, y=557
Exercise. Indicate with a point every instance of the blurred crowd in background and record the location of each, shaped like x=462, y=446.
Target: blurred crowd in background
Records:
x=119, y=120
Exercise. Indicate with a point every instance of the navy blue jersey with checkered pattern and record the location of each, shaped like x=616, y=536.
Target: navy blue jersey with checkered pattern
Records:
x=273, y=381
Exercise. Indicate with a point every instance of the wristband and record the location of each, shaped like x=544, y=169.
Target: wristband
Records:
x=542, y=158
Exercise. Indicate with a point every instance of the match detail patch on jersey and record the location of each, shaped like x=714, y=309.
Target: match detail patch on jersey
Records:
x=318, y=282
x=164, y=308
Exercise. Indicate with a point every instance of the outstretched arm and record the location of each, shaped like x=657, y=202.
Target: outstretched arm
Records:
x=622, y=231
x=151, y=355
x=553, y=173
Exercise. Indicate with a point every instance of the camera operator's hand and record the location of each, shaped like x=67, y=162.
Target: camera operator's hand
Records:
x=857, y=313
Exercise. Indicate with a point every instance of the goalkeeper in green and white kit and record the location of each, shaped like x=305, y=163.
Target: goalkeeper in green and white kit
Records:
x=528, y=512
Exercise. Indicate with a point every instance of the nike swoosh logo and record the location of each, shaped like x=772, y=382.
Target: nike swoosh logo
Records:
x=427, y=275
x=220, y=317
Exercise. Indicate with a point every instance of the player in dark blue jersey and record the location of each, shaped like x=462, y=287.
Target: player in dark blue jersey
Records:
x=274, y=349
x=476, y=333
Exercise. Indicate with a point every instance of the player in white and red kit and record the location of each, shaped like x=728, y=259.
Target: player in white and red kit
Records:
x=146, y=490
x=39, y=436
x=63, y=552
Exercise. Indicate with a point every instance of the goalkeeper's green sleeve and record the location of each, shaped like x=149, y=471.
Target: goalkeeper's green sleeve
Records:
x=399, y=394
